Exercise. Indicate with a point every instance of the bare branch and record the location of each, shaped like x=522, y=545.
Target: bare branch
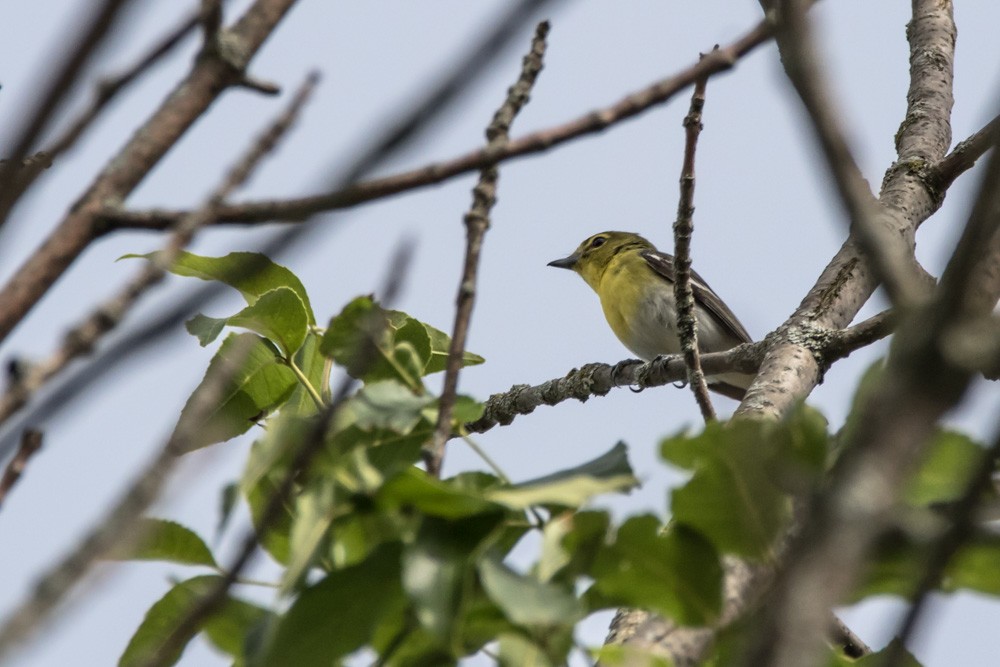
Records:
x=295, y=210
x=145, y=489
x=687, y=325
x=477, y=221
x=81, y=339
x=209, y=76
x=109, y=88
x=31, y=442
x=38, y=118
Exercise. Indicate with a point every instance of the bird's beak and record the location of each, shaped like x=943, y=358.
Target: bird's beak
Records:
x=565, y=262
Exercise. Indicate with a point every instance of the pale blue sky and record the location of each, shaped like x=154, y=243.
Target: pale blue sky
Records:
x=765, y=225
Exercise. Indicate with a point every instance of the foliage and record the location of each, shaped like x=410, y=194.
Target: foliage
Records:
x=378, y=555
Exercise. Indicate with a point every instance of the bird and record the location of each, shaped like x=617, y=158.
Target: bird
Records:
x=635, y=283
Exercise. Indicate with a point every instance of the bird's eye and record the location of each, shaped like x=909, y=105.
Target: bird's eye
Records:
x=597, y=242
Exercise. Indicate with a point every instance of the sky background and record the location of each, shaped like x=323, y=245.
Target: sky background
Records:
x=766, y=223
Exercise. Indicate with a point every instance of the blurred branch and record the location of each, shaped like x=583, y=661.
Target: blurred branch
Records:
x=919, y=385
x=687, y=325
x=209, y=76
x=37, y=119
x=294, y=210
x=118, y=524
x=477, y=221
x=409, y=125
x=108, y=88
x=81, y=339
x=961, y=527
x=31, y=442
x=891, y=255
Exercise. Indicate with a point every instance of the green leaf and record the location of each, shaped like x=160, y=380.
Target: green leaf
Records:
x=311, y=363
x=901, y=564
x=386, y=404
x=676, y=573
x=440, y=343
x=158, y=539
x=949, y=462
x=974, y=567
x=355, y=336
x=206, y=329
x=227, y=503
x=570, y=543
x=339, y=614
x=315, y=510
x=733, y=498
x=527, y=601
x=278, y=315
x=618, y=655
x=251, y=273
x=436, y=566
x=415, y=488
x=571, y=487
x=519, y=650
x=260, y=385
x=236, y=620
x=161, y=619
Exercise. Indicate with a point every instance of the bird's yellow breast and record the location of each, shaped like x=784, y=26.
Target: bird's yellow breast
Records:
x=639, y=310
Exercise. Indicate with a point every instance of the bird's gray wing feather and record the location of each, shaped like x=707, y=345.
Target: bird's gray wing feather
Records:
x=663, y=264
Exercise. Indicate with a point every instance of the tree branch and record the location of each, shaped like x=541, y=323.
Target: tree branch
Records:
x=687, y=325
x=477, y=221
x=209, y=76
x=295, y=210
x=118, y=524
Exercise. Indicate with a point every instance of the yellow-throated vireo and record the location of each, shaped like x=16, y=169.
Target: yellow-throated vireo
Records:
x=635, y=282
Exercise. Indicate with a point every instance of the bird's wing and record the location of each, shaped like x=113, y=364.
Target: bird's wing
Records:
x=663, y=264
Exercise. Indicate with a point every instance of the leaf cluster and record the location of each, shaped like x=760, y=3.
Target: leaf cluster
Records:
x=378, y=556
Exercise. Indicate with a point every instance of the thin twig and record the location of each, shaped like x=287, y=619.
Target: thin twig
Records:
x=208, y=78
x=687, y=325
x=37, y=119
x=296, y=210
x=119, y=521
x=31, y=442
x=477, y=221
x=961, y=527
x=109, y=88
x=384, y=145
x=82, y=338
